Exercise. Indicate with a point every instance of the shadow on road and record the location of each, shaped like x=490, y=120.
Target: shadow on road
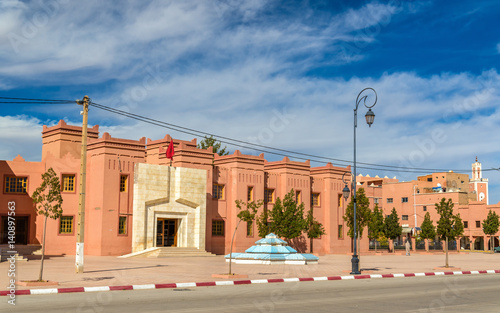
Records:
x=126, y=268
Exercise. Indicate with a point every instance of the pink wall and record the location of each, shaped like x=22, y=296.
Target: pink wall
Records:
x=108, y=158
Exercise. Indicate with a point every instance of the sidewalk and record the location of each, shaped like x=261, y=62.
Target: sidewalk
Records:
x=112, y=271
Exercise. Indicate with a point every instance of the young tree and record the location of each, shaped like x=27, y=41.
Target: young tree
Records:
x=314, y=229
x=247, y=213
x=212, y=142
x=392, y=228
x=48, y=202
x=363, y=213
x=288, y=217
x=263, y=224
x=490, y=226
x=376, y=225
x=449, y=226
x=428, y=229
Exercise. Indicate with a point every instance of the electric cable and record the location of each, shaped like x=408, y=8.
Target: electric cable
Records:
x=236, y=142
x=244, y=144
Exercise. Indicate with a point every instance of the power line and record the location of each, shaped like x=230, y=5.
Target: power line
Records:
x=41, y=100
x=32, y=102
x=236, y=142
x=244, y=144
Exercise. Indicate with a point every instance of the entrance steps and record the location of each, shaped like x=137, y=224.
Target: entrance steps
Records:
x=21, y=251
x=166, y=252
x=5, y=255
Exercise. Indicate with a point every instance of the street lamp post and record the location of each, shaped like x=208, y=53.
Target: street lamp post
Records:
x=346, y=192
x=370, y=116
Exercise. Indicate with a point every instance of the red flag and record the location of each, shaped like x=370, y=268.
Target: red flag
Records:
x=170, y=150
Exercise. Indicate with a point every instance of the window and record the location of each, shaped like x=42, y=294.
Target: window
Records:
x=122, y=225
x=268, y=195
x=66, y=225
x=404, y=217
x=315, y=199
x=341, y=232
x=466, y=224
x=478, y=224
x=250, y=229
x=123, y=183
x=269, y=225
x=15, y=184
x=389, y=200
x=217, y=228
x=298, y=197
x=404, y=199
x=68, y=183
x=425, y=208
x=250, y=194
x=375, y=200
x=218, y=192
x=340, y=200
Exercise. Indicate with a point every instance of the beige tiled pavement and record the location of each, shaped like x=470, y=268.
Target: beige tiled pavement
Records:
x=113, y=271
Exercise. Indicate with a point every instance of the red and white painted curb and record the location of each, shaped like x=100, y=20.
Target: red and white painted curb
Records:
x=236, y=282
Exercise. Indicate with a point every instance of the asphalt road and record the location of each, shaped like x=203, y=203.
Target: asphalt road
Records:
x=468, y=293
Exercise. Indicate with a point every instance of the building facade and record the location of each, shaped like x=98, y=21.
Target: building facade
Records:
x=413, y=199
x=137, y=198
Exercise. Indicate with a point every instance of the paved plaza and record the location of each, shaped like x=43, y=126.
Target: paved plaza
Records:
x=113, y=271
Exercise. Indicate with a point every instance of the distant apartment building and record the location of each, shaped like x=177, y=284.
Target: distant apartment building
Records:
x=413, y=199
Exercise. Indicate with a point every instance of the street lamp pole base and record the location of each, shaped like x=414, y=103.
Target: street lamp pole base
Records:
x=355, y=265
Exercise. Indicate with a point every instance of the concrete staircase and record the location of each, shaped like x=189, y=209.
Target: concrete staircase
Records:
x=169, y=252
x=21, y=252
x=5, y=255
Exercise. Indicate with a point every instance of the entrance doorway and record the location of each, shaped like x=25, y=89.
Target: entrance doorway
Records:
x=479, y=243
x=21, y=226
x=166, y=232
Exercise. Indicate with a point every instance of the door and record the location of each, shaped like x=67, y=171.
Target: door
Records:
x=166, y=232
x=21, y=230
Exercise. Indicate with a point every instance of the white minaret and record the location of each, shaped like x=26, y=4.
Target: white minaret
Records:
x=479, y=183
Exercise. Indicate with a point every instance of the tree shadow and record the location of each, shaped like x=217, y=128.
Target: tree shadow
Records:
x=299, y=244
x=35, y=257
x=97, y=278
x=126, y=268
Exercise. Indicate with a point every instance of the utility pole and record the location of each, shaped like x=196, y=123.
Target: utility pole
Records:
x=415, y=207
x=81, y=199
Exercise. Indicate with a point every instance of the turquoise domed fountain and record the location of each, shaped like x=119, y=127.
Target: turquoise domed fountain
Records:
x=272, y=250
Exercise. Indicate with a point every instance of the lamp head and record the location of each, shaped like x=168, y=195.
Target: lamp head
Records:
x=346, y=192
x=370, y=117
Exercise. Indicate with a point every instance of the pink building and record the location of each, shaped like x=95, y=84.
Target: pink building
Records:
x=109, y=211
x=413, y=199
x=135, y=200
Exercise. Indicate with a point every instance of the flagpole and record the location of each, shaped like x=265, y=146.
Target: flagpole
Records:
x=170, y=154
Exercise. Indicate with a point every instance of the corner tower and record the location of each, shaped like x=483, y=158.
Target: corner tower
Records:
x=478, y=183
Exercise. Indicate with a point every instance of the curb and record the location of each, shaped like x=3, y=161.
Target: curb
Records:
x=234, y=283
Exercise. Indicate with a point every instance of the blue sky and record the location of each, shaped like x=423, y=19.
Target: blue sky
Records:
x=279, y=73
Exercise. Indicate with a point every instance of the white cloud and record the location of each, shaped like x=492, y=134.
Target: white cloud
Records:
x=215, y=66
x=20, y=135
x=106, y=37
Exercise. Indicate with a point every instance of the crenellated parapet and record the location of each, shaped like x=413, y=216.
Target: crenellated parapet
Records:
x=61, y=139
x=240, y=161
x=186, y=153
x=108, y=144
